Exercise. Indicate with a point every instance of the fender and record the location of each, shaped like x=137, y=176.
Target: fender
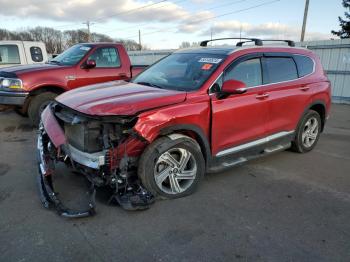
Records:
x=200, y=137
x=309, y=106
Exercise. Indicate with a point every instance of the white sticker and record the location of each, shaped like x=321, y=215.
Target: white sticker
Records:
x=85, y=48
x=210, y=60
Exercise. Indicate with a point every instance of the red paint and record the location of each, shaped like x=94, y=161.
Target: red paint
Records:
x=63, y=78
x=52, y=128
x=225, y=122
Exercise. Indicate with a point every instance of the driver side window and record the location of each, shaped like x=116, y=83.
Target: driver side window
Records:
x=106, y=57
x=248, y=71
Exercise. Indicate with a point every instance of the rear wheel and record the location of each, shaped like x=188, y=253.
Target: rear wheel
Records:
x=172, y=168
x=308, y=132
x=38, y=104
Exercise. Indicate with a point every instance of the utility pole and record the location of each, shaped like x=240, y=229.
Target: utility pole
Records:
x=140, y=40
x=88, y=24
x=306, y=10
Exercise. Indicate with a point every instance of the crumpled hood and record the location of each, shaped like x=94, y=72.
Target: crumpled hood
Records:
x=118, y=98
x=22, y=69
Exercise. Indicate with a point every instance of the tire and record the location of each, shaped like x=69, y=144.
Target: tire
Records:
x=38, y=104
x=173, y=183
x=308, y=132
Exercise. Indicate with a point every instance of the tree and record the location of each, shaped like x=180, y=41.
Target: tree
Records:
x=344, y=32
x=188, y=45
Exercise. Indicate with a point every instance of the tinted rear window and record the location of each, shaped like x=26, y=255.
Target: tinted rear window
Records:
x=280, y=69
x=305, y=65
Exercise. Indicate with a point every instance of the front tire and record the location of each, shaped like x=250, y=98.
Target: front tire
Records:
x=172, y=168
x=37, y=106
x=308, y=132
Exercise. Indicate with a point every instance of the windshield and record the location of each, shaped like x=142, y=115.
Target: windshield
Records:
x=72, y=55
x=181, y=71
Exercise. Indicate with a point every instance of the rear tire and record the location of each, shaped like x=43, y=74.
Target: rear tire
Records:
x=37, y=106
x=172, y=168
x=308, y=132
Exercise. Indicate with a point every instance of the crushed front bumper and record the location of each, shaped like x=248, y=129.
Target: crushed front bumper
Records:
x=53, y=146
x=47, y=194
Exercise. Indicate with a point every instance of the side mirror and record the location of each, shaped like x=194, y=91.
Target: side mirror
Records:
x=231, y=87
x=90, y=64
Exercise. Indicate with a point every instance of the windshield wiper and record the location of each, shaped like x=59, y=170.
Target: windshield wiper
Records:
x=149, y=84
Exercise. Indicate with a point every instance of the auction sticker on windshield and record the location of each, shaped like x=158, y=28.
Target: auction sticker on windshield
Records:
x=210, y=60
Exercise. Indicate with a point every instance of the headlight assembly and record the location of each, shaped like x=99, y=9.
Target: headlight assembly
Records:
x=9, y=84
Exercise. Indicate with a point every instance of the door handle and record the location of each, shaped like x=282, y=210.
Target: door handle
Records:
x=304, y=88
x=263, y=96
x=123, y=75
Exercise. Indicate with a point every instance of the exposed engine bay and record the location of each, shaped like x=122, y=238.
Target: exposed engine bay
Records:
x=104, y=149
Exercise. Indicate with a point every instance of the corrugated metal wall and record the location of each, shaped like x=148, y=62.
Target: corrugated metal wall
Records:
x=334, y=54
x=335, y=58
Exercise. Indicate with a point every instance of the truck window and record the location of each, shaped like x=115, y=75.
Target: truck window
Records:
x=280, y=69
x=248, y=71
x=9, y=54
x=106, y=57
x=36, y=54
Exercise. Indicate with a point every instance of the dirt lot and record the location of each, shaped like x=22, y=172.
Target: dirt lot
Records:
x=285, y=207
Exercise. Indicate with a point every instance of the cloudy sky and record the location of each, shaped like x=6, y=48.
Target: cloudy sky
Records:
x=165, y=24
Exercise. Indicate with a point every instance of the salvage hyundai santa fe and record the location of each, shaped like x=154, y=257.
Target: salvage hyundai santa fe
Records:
x=195, y=111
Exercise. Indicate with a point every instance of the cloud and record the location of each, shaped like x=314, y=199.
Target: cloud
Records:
x=79, y=10
x=265, y=30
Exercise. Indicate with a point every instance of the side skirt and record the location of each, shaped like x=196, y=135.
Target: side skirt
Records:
x=221, y=163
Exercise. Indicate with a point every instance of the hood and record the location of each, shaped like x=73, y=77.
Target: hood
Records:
x=118, y=98
x=21, y=69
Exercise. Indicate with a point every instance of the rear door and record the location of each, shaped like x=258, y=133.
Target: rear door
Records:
x=240, y=119
x=289, y=91
x=108, y=67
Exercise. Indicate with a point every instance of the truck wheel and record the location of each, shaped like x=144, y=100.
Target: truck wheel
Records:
x=308, y=132
x=38, y=104
x=172, y=168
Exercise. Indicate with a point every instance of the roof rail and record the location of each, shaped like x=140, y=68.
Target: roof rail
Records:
x=255, y=40
x=289, y=42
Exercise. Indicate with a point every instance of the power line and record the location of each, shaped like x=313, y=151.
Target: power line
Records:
x=207, y=19
x=116, y=14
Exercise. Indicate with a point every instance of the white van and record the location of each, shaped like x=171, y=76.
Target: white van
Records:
x=14, y=53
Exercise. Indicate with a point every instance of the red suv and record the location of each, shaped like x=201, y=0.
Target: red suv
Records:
x=196, y=111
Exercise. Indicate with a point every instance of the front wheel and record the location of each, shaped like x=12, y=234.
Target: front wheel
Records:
x=308, y=132
x=172, y=168
x=37, y=106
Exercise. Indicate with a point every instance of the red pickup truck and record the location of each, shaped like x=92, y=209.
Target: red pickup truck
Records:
x=31, y=87
x=196, y=111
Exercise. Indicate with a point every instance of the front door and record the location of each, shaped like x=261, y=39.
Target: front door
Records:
x=108, y=68
x=240, y=119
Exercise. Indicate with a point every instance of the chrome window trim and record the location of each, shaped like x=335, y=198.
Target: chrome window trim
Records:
x=253, y=143
x=313, y=71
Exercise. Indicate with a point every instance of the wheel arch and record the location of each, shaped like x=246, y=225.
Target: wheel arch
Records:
x=42, y=89
x=320, y=107
x=194, y=132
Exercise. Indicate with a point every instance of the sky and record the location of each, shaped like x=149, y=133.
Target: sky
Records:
x=166, y=24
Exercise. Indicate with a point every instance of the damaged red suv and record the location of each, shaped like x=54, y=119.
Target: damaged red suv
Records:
x=195, y=111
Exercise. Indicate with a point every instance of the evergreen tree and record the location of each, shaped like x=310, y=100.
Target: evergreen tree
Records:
x=344, y=32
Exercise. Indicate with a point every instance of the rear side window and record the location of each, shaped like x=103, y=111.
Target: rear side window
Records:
x=279, y=69
x=9, y=54
x=36, y=54
x=305, y=65
x=248, y=71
